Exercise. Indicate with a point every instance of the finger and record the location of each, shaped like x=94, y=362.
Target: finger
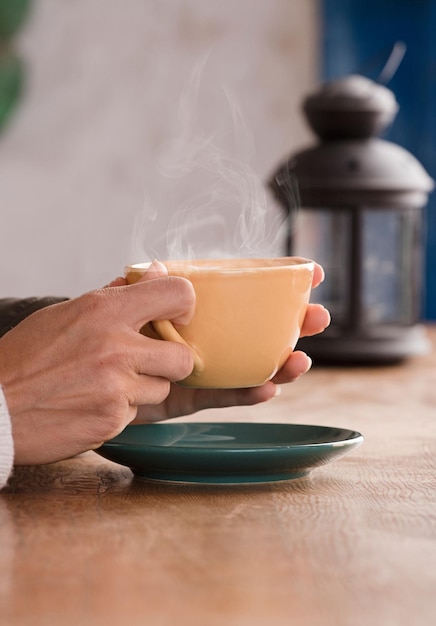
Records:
x=168, y=297
x=220, y=398
x=318, y=275
x=148, y=391
x=150, y=371
x=297, y=364
x=316, y=320
x=119, y=281
x=155, y=270
x=165, y=359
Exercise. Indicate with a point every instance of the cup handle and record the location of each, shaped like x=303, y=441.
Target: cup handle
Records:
x=165, y=329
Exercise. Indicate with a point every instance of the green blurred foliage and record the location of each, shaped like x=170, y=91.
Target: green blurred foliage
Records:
x=11, y=83
x=12, y=16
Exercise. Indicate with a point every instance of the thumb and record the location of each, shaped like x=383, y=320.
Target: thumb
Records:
x=155, y=270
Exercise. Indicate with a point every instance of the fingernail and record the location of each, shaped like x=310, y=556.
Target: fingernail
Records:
x=309, y=364
x=322, y=274
x=329, y=316
x=277, y=391
x=157, y=267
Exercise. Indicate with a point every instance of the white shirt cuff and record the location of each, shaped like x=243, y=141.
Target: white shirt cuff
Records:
x=6, y=442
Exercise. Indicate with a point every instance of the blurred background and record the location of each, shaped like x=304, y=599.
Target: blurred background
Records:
x=115, y=114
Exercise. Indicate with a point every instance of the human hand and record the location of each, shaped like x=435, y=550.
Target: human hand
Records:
x=184, y=401
x=74, y=373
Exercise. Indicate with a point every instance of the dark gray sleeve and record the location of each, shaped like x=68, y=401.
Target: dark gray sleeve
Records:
x=15, y=310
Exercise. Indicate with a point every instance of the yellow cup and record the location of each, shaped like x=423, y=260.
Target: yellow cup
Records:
x=247, y=320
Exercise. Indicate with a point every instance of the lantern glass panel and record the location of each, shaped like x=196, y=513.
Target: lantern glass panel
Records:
x=324, y=234
x=389, y=256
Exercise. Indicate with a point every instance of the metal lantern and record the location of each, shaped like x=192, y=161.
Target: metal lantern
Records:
x=360, y=215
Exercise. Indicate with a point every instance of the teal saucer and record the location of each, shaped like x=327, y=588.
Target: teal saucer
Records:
x=227, y=452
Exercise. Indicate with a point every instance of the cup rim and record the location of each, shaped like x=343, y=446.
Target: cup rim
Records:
x=226, y=264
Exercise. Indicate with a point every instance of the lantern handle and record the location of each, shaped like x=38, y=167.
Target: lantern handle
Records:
x=393, y=63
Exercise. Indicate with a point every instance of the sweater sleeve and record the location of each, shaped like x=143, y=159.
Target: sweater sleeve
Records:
x=6, y=442
x=15, y=310
x=12, y=312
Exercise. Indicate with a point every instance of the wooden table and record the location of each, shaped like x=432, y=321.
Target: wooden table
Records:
x=353, y=544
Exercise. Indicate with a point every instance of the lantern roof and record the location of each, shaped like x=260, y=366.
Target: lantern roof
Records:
x=361, y=165
x=350, y=164
x=351, y=106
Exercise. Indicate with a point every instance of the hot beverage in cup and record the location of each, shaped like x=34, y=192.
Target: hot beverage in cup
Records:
x=247, y=320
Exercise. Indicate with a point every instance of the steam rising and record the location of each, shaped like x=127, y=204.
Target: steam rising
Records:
x=218, y=205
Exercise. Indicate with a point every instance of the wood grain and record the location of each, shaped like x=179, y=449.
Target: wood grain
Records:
x=353, y=544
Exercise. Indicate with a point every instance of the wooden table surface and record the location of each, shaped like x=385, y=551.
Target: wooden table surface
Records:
x=353, y=544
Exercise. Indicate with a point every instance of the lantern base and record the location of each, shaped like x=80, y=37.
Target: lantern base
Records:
x=379, y=346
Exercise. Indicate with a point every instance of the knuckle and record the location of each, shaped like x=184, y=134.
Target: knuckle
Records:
x=110, y=389
x=90, y=301
x=89, y=310
x=158, y=391
x=109, y=425
x=110, y=415
x=172, y=361
x=182, y=291
x=112, y=357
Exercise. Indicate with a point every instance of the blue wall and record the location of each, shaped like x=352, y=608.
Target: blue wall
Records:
x=358, y=37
